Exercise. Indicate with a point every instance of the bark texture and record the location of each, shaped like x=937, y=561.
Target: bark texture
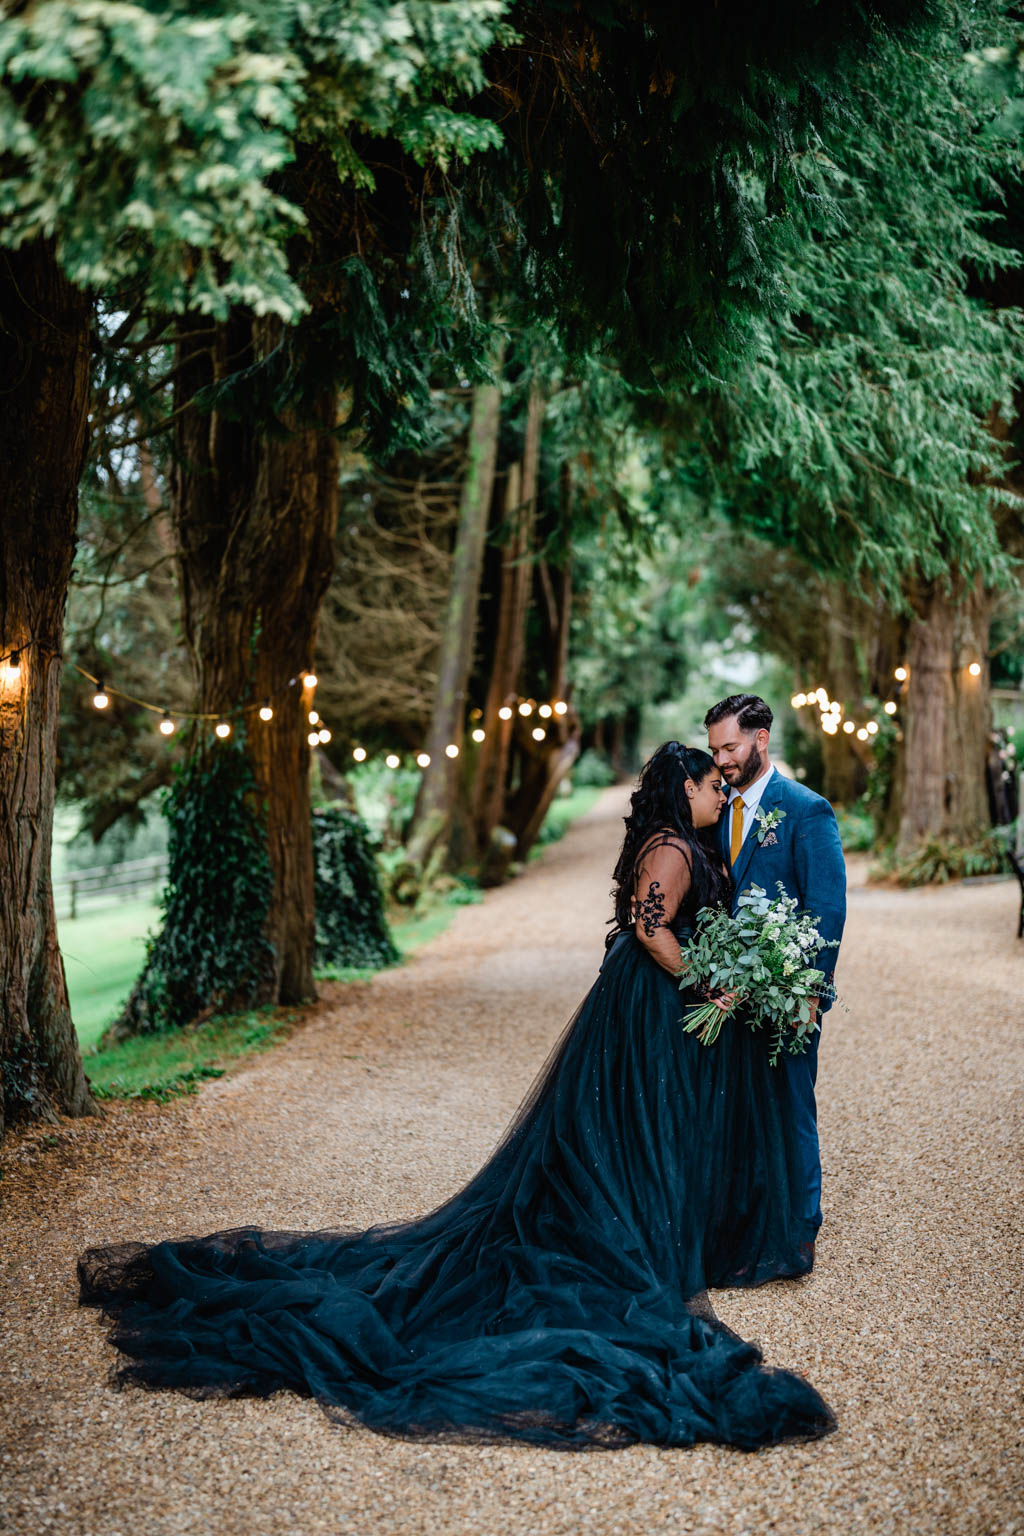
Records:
x=510, y=628
x=438, y=789
x=947, y=717
x=44, y=363
x=255, y=513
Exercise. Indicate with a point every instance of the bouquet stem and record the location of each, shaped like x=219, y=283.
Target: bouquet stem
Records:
x=706, y=1019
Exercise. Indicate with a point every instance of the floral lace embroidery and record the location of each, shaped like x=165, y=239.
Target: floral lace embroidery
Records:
x=651, y=911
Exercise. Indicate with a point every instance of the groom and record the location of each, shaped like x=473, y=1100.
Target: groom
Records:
x=774, y=829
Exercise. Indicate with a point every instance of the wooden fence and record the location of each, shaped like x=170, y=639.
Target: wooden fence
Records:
x=108, y=883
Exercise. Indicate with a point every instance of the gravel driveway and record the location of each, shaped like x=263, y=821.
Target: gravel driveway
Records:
x=389, y=1096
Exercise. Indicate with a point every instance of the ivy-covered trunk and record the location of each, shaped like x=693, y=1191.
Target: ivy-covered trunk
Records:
x=256, y=506
x=44, y=362
x=254, y=503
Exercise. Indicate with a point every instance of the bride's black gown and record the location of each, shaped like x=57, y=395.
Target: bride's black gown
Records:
x=560, y=1297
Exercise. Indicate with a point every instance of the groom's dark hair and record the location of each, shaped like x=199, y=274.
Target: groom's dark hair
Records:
x=751, y=711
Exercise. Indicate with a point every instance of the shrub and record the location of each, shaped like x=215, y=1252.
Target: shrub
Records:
x=351, y=929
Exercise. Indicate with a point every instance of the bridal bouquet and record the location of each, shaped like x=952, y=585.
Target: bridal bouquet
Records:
x=766, y=955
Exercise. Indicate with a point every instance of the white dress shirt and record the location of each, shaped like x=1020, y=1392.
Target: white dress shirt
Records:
x=751, y=800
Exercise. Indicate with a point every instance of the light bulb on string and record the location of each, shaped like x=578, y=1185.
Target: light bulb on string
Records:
x=798, y=700
x=822, y=697
x=451, y=750
x=313, y=738
x=100, y=697
x=889, y=707
x=504, y=713
x=423, y=759
x=392, y=760
x=314, y=718
x=323, y=735
x=222, y=729
x=526, y=708
x=900, y=674
x=545, y=711
x=309, y=679
x=359, y=753
x=975, y=669
x=862, y=734
x=266, y=712
x=166, y=724
x=13, y=668
x=560, y=707
x=849, y=727
x=479, y=735
x=538, y=733
x=872, y=727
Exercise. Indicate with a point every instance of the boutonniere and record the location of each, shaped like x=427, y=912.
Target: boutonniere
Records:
x=767, y=821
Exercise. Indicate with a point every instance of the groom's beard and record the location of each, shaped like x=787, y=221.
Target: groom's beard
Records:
x=750, y=771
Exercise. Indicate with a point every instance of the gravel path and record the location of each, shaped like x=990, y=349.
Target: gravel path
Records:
x=391, y=1094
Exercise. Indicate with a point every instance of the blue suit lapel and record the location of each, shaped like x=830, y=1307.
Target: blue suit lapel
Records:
x=774, y=792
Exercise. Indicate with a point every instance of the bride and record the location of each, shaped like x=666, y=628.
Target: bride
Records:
x=560, y=1297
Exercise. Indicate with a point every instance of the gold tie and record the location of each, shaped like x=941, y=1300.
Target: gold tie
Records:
x=737, y=829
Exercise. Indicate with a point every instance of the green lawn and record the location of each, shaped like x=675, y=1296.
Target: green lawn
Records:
x=103, y=953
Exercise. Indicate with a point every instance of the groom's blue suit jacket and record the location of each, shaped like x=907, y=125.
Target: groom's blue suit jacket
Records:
x=806, y=856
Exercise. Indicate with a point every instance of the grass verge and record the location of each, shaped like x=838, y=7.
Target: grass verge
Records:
x=160, y=1067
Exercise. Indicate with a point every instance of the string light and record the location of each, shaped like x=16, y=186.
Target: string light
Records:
x=872, y=727
x=822, y=697
x=862, y=734
x=900, y=674
x=889, y=707
x=975, y=669
x=13, y=666
x=315, y=737
x=798, y=700
x=849, y=727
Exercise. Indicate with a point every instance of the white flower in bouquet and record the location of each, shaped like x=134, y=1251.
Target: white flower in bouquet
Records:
x=763, y=954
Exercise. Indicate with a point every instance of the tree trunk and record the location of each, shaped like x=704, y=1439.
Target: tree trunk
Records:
x=44, y=361
x=947, y=719
x=256, y=514
x=510, y=628
x=440, y=779
x=969, y=815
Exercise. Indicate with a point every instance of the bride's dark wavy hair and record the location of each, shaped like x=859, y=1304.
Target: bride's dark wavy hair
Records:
x=660, y=804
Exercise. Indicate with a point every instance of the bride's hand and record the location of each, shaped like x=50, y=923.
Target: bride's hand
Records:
x=725, y=1000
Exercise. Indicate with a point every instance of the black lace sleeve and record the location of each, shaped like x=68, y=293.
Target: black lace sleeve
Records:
x=650, y=911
